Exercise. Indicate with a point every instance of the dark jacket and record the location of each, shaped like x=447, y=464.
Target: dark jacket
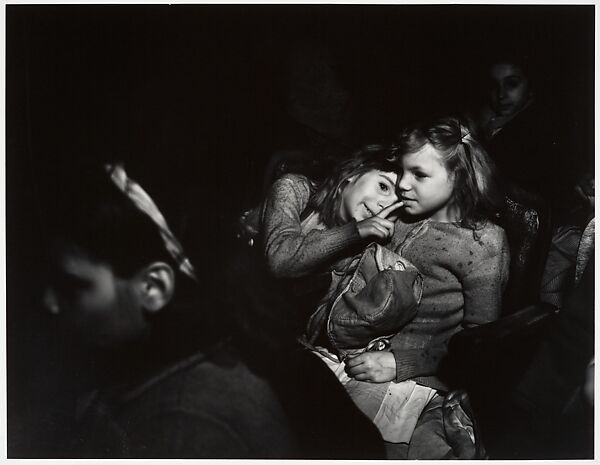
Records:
x=375, y=297
x=218, y=404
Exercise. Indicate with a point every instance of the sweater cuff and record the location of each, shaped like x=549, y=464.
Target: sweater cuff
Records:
x=406, y=363
x=412, y=363
x=347, y=235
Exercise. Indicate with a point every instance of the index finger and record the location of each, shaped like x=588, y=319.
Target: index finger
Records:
x=389, y=209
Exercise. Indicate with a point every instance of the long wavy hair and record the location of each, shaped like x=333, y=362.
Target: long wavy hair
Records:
x=475, y=193
x=327, y=196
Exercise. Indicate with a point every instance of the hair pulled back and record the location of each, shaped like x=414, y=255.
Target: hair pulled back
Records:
x=475, y=193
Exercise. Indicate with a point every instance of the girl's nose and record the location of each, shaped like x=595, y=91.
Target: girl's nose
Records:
x=50, y=301
x=404, y=185
x=500, y=91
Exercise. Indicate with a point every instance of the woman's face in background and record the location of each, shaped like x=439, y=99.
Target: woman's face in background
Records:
x=510, y=90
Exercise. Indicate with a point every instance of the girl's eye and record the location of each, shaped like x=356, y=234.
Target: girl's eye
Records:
x=420, y=175
x=513, y=83
x=384, y=187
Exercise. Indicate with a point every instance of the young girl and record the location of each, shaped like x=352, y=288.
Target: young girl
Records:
x=445, y=230
x=305, y=227
x=310, y=231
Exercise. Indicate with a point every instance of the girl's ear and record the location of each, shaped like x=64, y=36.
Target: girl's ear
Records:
x=156, y=286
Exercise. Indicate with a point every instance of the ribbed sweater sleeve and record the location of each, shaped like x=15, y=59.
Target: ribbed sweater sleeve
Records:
x=416, y=363
x=291, y=252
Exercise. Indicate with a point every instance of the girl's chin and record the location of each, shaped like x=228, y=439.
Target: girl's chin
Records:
x=414, y=213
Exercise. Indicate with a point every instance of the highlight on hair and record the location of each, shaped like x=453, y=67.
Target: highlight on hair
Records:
x=91, y=213
x=86, y=212
x=475, y=192
x=327, y=198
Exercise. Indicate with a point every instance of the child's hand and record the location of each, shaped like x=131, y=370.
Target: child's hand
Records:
x=373, y=367
x=460, y=428
x=379, y=226
x=248, y=225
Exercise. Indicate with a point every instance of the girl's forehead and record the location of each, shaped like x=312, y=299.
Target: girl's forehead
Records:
x=502, y=70
x=425, y=156
x=390, y=175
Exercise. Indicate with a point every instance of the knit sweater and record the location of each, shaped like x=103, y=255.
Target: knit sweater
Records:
x=464, y=277
x=295, y=247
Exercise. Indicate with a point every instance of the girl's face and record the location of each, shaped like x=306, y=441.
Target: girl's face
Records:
x=426, y=186
x=366, y=195
x=510, y=89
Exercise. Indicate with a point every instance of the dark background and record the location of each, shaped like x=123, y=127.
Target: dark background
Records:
x=195, y=98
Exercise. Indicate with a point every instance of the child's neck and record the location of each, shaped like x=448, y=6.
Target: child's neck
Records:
x=447, y=214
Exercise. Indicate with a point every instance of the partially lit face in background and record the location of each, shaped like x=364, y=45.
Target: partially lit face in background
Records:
x=510, y=90
x=102, y=309
x=366, y=195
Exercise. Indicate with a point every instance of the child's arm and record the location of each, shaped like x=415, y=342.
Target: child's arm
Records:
x=426, y=361
x=290, y=252
x=485, y=282
x=380, y=367
x=483, y=285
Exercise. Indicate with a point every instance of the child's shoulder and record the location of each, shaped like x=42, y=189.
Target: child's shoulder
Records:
x=485, y=238
x=293, y=179
x=491, y=237
x=291, y=185
x=491, y=230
